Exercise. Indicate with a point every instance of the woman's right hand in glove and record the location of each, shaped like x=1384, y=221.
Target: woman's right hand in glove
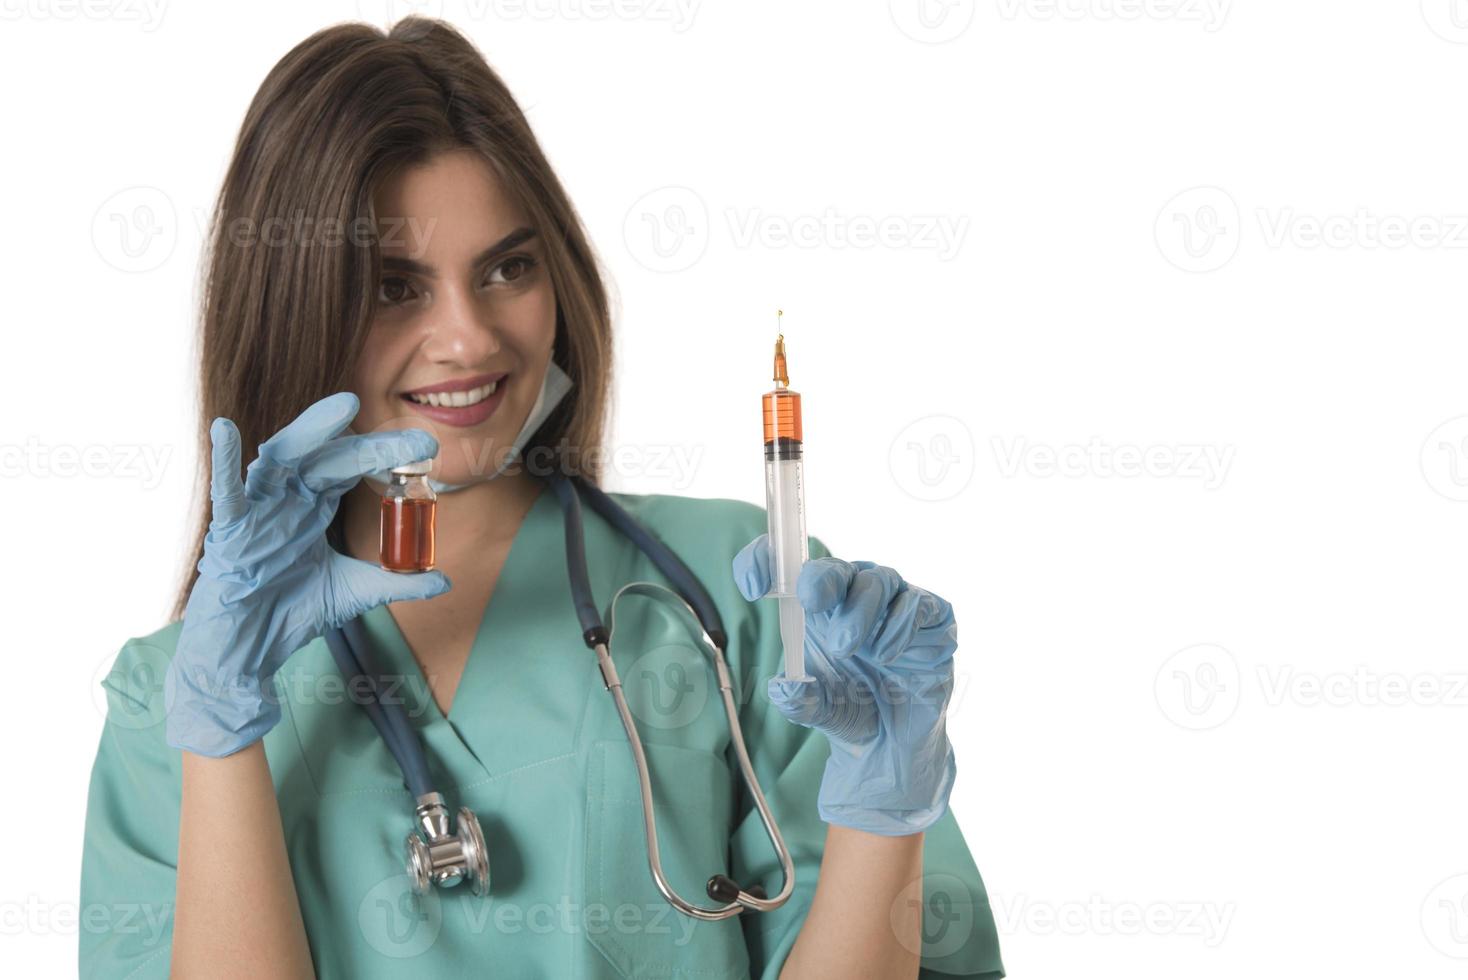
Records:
x=268, y=582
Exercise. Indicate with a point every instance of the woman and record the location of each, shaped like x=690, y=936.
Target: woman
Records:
x=397, y=275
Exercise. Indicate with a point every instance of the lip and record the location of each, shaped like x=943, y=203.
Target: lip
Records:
x=458, y=384
x=469, y=415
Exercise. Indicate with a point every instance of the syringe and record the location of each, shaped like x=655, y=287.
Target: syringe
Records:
x=785, y=508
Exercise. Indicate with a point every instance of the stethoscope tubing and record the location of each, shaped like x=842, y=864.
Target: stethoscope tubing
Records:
x=685, y=583
x=348, y=645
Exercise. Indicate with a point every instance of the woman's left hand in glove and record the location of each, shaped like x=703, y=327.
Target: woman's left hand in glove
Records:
x=880, y=655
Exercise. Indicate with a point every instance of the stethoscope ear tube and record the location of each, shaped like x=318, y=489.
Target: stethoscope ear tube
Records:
x=591, y=625
x=684, y=581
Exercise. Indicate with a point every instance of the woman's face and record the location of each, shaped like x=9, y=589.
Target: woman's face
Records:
x=465, y=319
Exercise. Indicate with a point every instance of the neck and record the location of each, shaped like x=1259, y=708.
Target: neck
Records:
x=480, y=518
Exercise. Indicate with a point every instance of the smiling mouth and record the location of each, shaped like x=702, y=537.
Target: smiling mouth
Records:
x=455, y=399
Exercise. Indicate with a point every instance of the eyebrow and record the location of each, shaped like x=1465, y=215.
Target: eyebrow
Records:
x=514, y=239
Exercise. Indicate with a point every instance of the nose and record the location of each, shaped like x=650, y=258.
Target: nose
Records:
x=460, y=329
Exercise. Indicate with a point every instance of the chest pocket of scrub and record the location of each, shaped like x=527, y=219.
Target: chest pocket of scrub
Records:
x=627, y=918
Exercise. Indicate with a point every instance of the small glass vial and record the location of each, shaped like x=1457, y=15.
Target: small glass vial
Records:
x=409, y=514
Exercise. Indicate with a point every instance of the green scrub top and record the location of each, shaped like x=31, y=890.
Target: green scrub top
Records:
x=532, y=743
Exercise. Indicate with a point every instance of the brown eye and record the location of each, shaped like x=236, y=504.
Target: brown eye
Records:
x=394, y=290
x=512, y=270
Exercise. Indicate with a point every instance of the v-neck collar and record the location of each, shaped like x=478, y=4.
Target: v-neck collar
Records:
x=521, y=697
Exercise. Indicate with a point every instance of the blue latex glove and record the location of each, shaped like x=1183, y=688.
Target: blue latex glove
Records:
x=268, y=582
x=880, y=655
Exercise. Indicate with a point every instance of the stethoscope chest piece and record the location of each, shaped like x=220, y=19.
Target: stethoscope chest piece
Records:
x=442, y=855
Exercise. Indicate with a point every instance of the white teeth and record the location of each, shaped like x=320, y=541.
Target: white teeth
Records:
x=457, y=399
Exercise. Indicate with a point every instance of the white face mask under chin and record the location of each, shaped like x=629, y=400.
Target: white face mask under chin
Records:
x=553, y=389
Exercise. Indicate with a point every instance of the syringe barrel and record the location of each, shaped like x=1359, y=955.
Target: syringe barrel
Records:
x=784, y=489
x=785, y=509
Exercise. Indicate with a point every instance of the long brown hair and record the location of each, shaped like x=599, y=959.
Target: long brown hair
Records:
x=282, y=323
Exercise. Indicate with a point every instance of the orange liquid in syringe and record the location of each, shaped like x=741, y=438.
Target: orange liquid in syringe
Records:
x=408, y=534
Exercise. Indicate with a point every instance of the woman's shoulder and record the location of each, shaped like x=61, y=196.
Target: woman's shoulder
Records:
x=133, y=684
x=164, y=637
x=161, y=642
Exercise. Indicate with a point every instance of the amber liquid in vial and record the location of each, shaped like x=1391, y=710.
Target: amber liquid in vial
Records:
x=408, y=534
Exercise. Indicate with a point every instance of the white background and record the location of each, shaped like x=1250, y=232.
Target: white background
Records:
x=1209, y=721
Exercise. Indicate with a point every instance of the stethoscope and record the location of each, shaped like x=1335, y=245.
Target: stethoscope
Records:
x=445, y=852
